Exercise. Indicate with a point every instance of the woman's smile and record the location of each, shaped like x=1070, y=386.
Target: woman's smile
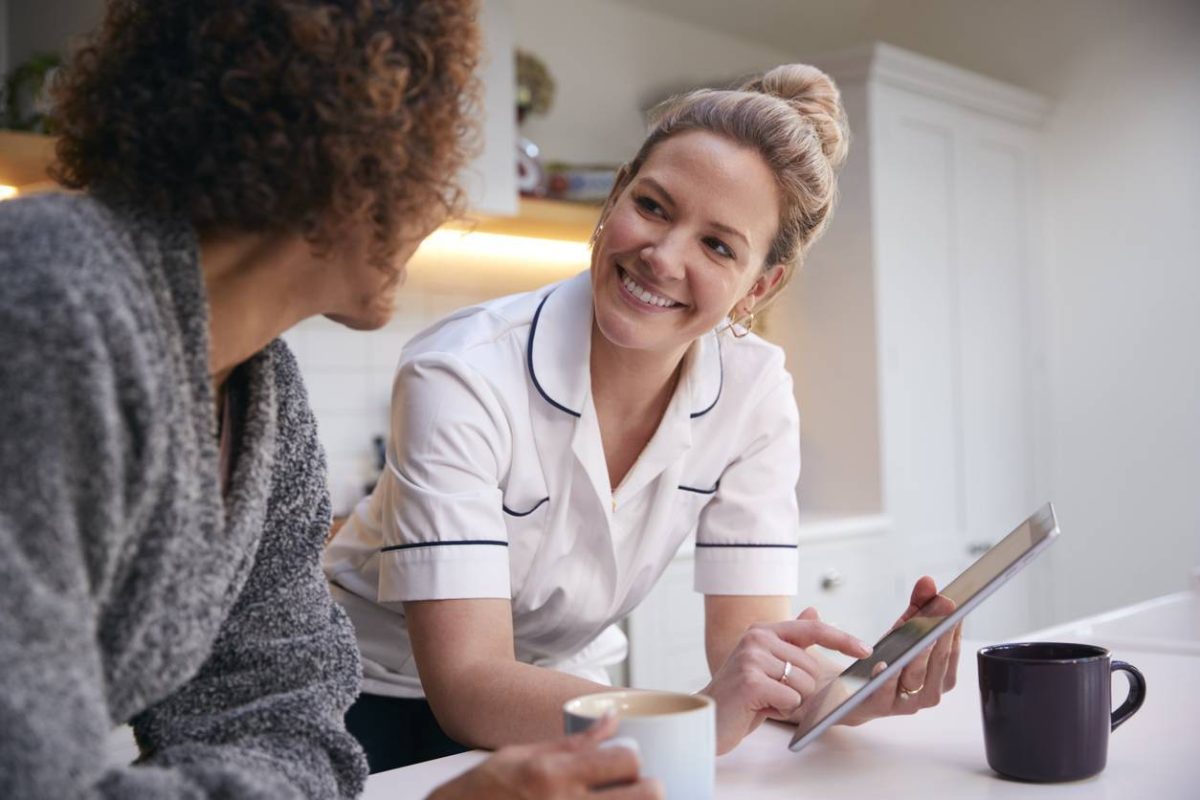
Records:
x=643, y=297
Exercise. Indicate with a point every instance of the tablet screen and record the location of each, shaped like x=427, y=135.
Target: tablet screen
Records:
x=906, y=642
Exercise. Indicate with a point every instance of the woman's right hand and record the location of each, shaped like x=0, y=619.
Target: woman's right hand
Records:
x=750, y=685
x=573, y=767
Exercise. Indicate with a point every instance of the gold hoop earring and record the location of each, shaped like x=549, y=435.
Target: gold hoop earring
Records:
x=745, y=329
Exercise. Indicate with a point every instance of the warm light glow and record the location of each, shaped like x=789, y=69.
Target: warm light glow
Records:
x=522, y=252
x=7, y=191
x=497, y=263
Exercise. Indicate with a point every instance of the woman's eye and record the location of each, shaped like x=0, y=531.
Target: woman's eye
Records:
x=718, y=247
x=648, y=205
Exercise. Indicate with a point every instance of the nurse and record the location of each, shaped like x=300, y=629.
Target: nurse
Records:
x=550, y=452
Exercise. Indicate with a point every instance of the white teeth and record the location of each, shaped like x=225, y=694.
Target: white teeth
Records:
x=644, y=294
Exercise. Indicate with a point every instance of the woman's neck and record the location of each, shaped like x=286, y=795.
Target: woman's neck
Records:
x=257, y=288
x=631, y=391
x=632, y=382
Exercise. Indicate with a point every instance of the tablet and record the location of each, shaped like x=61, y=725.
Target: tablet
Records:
x=939, y=615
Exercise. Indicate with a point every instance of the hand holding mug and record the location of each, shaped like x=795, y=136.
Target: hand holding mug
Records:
x=576, y=766
x=672, y=734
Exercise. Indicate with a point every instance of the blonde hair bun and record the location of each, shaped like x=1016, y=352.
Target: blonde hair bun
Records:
x=814, y=96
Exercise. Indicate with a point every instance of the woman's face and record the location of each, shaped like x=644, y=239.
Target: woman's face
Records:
x=684, y=242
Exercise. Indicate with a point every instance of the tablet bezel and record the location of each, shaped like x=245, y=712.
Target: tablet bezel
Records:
x=1043, y=519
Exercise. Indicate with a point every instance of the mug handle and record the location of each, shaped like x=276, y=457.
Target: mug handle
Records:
x=1136, y=696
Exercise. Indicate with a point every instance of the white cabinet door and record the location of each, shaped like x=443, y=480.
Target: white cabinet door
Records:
x=956, y=200
x=996, y=367
x=916, y=213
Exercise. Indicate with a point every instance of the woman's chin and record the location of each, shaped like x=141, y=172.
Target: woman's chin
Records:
x=364, y=321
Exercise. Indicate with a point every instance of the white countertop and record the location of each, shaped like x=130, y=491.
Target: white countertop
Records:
x=935, y=754
x=1168, y=624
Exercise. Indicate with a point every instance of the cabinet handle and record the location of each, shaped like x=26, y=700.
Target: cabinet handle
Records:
x=831, y=580
x=976, y=549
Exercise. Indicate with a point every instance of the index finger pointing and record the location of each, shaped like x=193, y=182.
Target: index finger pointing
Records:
x=803, y=633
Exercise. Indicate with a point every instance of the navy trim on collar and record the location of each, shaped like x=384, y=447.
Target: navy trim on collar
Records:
x=567, y=320
x=529, y=360
x=721, y=383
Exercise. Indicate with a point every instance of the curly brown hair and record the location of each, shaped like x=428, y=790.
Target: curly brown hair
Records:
x=277, y=115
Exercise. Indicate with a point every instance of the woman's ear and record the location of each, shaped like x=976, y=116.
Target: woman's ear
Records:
x=764, y=285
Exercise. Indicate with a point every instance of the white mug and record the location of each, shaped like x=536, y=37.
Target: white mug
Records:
x=676, y=735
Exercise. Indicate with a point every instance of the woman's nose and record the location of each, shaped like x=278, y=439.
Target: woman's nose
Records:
x=665, y=258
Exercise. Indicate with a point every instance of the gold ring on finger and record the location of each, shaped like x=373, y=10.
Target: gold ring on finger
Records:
x=907, y=693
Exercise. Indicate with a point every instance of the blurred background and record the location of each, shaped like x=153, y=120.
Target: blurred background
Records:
x=1005, y=310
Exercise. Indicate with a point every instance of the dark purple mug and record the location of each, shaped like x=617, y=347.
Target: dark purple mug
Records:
x=1047, y=708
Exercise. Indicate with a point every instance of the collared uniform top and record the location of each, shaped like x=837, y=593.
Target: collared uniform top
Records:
x=496, y=485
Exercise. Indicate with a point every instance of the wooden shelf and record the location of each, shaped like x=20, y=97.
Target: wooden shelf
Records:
x=542, y=219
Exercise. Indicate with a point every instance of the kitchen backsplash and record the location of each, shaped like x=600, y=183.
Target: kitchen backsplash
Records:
x=349, y=379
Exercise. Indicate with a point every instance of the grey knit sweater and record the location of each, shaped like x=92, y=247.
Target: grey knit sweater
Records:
x=130, y=591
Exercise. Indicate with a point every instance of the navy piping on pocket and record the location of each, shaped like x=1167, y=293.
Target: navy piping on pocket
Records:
x=529, y=360
x=783, y=546
x=442, y=544
x=512, y=513
x=701, y=491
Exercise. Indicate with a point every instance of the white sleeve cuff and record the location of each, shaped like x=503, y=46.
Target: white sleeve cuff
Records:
x=747, y=569
x=444, y=571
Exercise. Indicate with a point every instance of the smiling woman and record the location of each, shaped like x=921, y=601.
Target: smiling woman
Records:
x=551, y=451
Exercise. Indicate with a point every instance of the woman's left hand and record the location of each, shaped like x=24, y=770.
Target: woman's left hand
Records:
x=926, y=678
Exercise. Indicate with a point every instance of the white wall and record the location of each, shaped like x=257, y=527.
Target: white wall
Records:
x=1123, y=234
x=612, y=62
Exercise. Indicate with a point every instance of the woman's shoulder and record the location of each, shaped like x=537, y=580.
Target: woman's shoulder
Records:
x=54, y=242
x=52, y=221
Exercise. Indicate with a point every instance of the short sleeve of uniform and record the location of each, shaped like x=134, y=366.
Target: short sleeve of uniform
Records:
x=746, y=538
x=441, y=519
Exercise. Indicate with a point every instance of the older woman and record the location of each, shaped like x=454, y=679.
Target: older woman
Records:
x=550, y=452
x=244, y=165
